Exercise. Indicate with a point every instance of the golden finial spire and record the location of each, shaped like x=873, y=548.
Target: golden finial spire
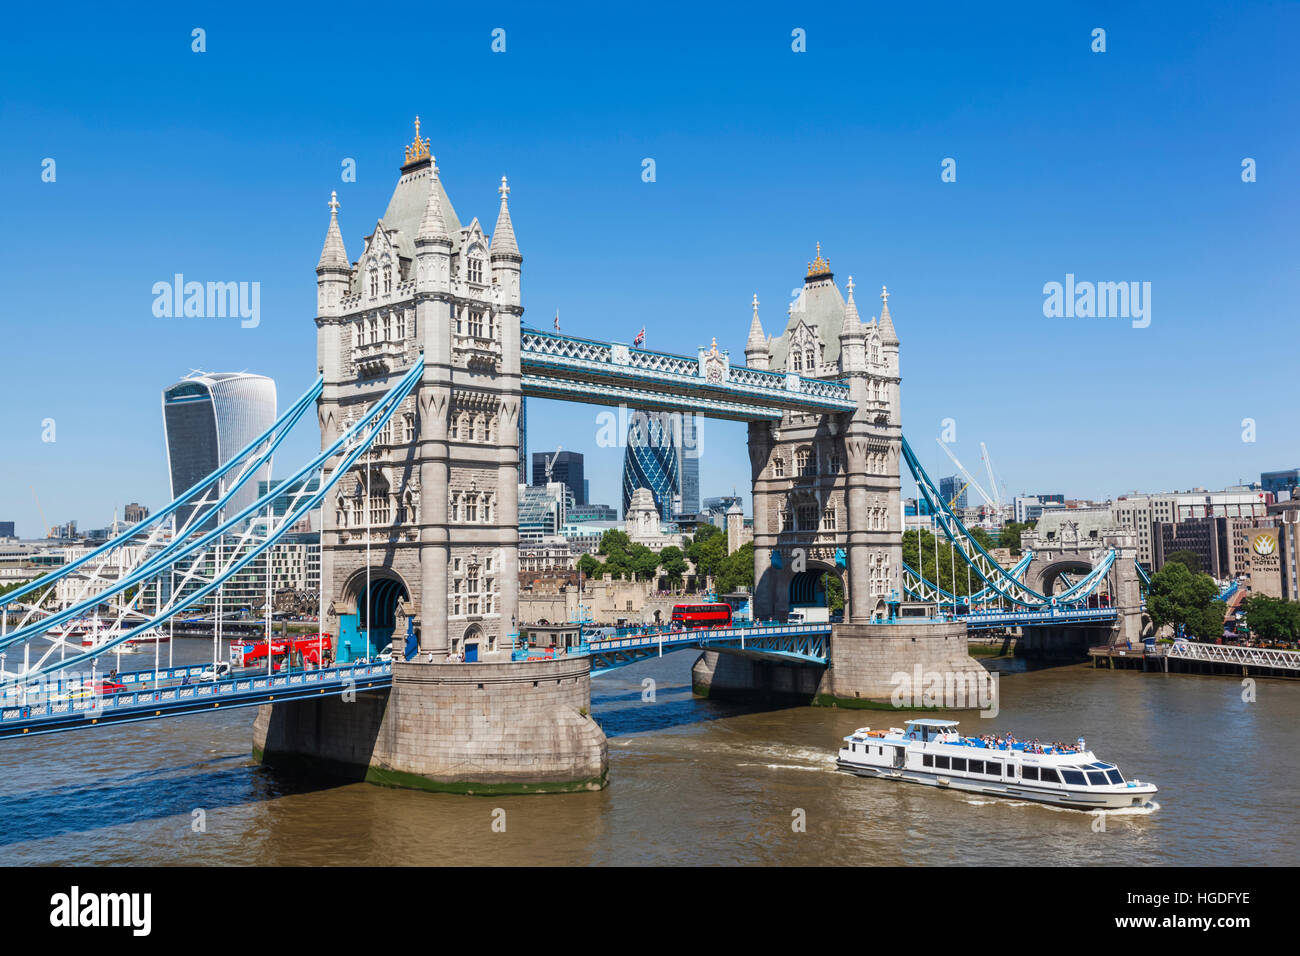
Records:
x=420, y=148
x=819, y=267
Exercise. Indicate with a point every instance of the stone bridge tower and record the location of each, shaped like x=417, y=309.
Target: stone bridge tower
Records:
x=826, y=488
x=420, y=539
x=449, y=458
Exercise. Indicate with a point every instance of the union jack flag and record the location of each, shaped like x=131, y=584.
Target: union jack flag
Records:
x=640, y=337
x=557, y=320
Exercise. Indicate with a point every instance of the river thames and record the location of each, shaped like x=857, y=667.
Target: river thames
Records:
x=691, y=782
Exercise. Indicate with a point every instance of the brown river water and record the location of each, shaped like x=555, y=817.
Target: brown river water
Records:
x=691, y=782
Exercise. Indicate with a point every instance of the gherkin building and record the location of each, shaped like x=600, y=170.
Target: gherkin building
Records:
x=651, y=460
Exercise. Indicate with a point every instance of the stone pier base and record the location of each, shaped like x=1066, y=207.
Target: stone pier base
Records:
x=864, y=662
x=731, y=676
x=1063, y=644
x=486, y=728
x=865, y=659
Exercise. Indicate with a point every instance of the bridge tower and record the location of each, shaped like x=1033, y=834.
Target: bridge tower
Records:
x=419, y=544
x=826, y=500
x=826, y=487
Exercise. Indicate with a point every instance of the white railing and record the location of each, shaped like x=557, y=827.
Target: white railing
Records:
x=1235, y=654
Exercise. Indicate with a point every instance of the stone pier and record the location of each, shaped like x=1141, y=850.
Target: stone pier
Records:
x=864, y=662
x=495, y=728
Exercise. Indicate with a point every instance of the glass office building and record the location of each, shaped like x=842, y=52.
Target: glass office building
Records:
x=208, y=418
x=651, y=460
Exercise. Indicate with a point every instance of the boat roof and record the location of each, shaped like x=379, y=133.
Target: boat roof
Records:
x=930, y=722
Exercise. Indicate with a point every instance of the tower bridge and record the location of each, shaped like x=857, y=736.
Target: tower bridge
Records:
x=423, y=364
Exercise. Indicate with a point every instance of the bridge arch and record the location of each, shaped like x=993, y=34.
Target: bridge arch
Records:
x=1048, y=574
x=368, y=621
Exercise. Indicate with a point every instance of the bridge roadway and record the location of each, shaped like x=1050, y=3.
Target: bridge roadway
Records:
x=72, y=703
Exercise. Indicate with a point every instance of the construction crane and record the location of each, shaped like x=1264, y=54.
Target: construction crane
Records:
x=957, y=495
x=970, y=479
x=993, y=484
x=550, y=463
x=44, y=522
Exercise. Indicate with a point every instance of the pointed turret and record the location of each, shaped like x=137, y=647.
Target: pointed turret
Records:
x=333, y=273
x=333, y=255
x=503, y=236
x=887, y=334
x=853, y=337
x=757, y=354
x=433, y=227
x=503, y=253
x=852, y=321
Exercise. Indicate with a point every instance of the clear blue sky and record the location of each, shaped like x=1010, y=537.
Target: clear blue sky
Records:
x=1117, y=166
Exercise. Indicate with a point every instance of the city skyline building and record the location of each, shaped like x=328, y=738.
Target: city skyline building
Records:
x=566, y=467
x=688, y=458
x=650, y=461
x=208, y=417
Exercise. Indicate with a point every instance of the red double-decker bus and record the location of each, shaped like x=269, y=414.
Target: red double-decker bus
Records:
x=692, y=616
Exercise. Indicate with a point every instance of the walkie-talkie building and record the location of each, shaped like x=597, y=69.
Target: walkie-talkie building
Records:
x=651, y=460
x=208, y=418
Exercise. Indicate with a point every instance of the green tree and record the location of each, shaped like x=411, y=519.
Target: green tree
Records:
x=1272, y=619
x=613, y=541
x=736, y=571
x=834, y=589
x=707, y=551
x=590, y=566
x=1191, y=559
x=642, y=562
x=1009, y=536
x=614, y=545
x=673, y=560
x=1183, y=599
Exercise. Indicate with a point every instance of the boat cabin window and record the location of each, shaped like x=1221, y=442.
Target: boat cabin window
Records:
x=958, y=763
x=993, y=767
x=977, y=766
x=1114, y=776
x=1096, y=778
x=1049, y=774
x=1029, y=773
x=940, y=762
x=1073, y=777
x=927, y=760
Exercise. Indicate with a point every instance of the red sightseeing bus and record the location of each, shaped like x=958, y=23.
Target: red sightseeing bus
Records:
x=692, y=616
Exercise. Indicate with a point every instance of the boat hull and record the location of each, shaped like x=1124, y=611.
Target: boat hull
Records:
x=1121, y=797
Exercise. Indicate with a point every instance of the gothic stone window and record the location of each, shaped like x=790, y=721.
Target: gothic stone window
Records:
x=476, y=322
x=388, y=279
x=374, y=281
x=807, y=517
x=475, y=267
x=828, y=519
x=787, y=520
x=805, y=463
x=778, y=467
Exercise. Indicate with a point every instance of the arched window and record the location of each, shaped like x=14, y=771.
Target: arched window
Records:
x=374, y=282
x=828, y=519
x=805, y=462
x=374, y=330
x=796, y=362
x=480, y=432
x=388, y=279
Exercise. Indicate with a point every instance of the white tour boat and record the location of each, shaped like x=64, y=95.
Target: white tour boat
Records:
x=933, y=753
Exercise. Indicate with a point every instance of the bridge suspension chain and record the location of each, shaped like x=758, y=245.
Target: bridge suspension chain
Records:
x=255, y=528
